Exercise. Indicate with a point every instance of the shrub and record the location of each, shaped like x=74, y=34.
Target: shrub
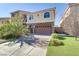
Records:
x=51, y=43
x=10, y=36
x=56, y=43
x=56, y=36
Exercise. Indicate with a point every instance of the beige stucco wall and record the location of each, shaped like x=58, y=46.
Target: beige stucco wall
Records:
x=36, y=18
x=40, y=18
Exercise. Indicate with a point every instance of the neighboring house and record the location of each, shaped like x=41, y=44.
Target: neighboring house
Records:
x=4, y=20
x=70, y=20
x=39, y=22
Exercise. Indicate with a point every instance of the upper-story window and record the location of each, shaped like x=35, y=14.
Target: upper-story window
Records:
x=31, y=17
x=25, y=17
x=46, y=14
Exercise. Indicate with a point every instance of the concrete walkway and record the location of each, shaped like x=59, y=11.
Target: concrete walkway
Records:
x=38, y=48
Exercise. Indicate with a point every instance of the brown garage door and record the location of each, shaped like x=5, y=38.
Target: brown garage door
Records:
x=44, y=29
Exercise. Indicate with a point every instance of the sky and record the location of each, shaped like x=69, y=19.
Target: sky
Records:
x=7, y=8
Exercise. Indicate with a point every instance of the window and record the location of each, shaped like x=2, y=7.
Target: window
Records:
x=46, y=15
x=25, y=17
x=31, y=17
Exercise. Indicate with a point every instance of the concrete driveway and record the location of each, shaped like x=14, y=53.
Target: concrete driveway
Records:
x=37, y=48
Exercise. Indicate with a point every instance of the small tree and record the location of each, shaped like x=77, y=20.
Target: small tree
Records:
x=13, y=30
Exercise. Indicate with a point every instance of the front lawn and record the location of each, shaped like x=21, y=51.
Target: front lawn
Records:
x=70, y=48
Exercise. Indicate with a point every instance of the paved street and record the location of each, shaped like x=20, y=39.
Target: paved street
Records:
x=37, y=48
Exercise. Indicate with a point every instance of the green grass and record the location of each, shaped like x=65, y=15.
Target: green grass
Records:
x=70, y=48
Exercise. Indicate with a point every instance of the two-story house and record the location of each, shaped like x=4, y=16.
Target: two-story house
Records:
x=39, y=22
